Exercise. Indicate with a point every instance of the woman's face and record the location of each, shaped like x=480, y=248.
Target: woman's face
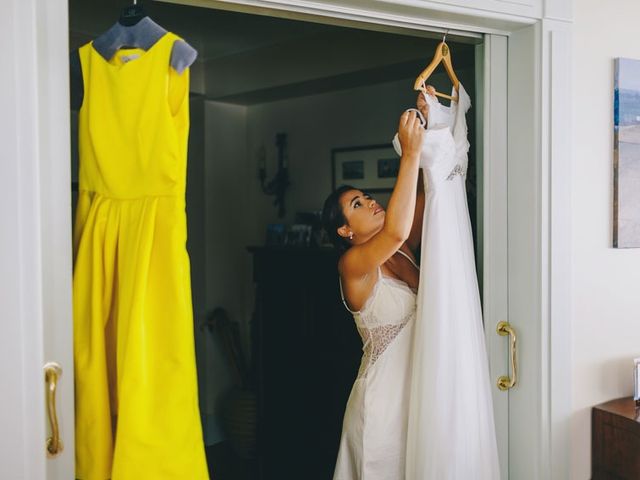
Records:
x=365, y=217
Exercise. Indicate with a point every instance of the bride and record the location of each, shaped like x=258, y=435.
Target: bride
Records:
x=378, y=276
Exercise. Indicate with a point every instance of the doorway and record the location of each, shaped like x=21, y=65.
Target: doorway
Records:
x=328, y=92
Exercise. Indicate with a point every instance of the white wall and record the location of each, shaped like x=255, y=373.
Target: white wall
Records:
x=226, y=199
x=606, y=281
x=224, y=260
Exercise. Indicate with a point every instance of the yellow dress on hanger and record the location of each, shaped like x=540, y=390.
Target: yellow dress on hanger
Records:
x=137, y=414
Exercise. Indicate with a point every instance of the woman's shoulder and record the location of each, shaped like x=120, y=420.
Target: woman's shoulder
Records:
x=343, y=262
x=347, y=265
x=347, y=269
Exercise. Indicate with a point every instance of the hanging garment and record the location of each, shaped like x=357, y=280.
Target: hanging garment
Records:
x=136, y=390
x=451, y=434
x=374, y=430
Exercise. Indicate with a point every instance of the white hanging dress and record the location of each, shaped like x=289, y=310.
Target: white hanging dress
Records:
x=451, y=431
x=374, y=430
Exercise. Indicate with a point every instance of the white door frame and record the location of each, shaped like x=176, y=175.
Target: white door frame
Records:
x=495, y=234
x=35, y=208
x=35, y=238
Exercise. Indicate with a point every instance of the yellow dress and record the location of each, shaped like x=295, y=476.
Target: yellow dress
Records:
x=137, y=414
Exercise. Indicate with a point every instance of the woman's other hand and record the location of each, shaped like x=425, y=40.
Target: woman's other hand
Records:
x=421, y=102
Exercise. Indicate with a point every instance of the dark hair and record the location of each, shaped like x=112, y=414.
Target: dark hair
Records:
x=333, y=217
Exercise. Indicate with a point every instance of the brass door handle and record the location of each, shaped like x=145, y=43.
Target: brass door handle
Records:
x=52, y=372
x=504, y=382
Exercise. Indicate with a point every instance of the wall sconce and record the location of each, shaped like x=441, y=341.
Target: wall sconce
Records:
x=280, y=181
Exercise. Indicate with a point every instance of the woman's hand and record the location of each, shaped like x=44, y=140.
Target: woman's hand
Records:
x=421, y=102
x=410, y=133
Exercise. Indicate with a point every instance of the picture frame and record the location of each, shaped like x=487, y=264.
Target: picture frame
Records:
x=370, y=168
x=626, y=154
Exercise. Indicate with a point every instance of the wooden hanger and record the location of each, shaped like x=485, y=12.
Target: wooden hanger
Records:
x=443, y=54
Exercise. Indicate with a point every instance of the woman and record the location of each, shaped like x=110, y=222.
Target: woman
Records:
x=378, y=281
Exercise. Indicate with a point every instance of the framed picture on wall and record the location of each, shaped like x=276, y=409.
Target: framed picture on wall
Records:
x=371, y=168
x=626, y=154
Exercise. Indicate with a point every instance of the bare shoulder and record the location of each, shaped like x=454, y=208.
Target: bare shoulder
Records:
x=349, y=266
x=356, y=287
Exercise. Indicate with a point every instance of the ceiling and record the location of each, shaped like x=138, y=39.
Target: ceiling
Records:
x=248, y=59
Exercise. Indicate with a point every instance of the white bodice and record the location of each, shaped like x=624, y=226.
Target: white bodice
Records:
x=391, y=305
x=445, y=145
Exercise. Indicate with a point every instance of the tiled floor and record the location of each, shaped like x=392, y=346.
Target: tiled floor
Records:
x=224, y=464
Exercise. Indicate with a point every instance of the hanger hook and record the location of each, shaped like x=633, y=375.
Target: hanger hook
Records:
x=444, y=38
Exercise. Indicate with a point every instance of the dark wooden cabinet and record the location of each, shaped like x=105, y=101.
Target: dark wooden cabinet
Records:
x=615, y=442
x=306, y=352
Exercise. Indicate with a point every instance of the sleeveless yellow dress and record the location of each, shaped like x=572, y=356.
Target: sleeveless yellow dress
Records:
x=137, y=414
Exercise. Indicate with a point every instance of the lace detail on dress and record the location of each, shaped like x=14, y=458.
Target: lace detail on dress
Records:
x=375, y=342
x=457, y=170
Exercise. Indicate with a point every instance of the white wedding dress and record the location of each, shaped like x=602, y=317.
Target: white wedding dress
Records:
x=451, y=431
x=374, y=430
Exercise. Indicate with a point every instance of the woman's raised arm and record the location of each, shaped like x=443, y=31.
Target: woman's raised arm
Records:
x=364, y=258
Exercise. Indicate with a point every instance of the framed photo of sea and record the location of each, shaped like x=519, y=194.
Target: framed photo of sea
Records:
x=626, y=154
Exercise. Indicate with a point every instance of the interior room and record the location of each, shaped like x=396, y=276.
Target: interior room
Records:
x=278, y=107
x=553, y=98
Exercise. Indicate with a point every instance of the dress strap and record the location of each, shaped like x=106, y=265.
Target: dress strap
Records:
x=342, y=291
x=408, y=258
x=342, y=296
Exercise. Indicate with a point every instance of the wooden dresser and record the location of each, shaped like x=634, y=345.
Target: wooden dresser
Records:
x=307, y=351
x=615, y=440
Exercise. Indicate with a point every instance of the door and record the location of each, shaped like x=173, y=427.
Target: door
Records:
x=491, y=115
x=35, y=240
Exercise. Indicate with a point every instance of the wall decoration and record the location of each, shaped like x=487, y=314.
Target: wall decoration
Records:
x=626, y=154
x=280, y=182
x=371, y=168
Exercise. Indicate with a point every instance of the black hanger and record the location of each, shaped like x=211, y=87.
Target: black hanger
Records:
x=132, y=14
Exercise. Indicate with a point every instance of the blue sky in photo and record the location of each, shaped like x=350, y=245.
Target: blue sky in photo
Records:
x=629, y=74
